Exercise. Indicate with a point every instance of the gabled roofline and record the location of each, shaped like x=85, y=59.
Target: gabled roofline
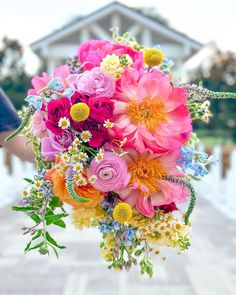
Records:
x=112, y=7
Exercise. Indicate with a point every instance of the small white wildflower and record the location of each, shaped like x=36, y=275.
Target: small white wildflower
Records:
x=65, y=158
x=82, y=182
x=206, y=105
x=41, y=194
x=75, y=158
x=76, y=142
x=108, y=124
x=78, y=167
x=72, y=149
x=92, y=179
x=85, y=136
x=37, y=184
x=83, y=156
x=26, y=193
x=64, y=123
x=99, y=155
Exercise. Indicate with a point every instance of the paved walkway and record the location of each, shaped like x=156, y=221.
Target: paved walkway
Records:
x=209, y=268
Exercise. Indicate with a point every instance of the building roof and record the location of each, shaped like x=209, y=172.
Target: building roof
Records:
x=115, y=6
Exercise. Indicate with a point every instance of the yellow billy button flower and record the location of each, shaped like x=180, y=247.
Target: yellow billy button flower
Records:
x=79, y=112
x=122, y=212
x=153, y=57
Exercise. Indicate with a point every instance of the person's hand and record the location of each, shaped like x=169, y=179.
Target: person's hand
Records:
x=18, y=146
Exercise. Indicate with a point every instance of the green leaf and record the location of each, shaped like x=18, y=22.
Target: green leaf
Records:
x=23, y=209
x=54, y=218
x=36, y=246
x=55, y=202
x=36, y=236
x=54, y=250
x=60, y=223
x=28, y=180
x=53, y=242
x=35, y=217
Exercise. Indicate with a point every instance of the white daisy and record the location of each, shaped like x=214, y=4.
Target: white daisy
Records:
x=108, y=124
x=85, y=136
x=78, y=167
x=64, y=123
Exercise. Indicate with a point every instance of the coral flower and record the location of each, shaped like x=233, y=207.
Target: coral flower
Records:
x=87, y=191
x=147, y=188
x=151, y=113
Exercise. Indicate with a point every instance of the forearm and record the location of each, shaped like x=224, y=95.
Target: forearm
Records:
x=18, y=146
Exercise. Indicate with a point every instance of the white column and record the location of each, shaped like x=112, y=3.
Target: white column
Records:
x=146, y=37
x=115, y=20
x=84, y=35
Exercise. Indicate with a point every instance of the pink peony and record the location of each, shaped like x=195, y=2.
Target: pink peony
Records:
x=93, y=83
x=56, y=110
x=111, y=172
x=147, y=188
x=47, y=150
x=92, y=52
x=151, y=113
x=38, y=125
x=101, y=108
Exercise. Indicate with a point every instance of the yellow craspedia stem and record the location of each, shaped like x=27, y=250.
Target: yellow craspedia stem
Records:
x=153, y=57
x=79, y=112
x=122, y=212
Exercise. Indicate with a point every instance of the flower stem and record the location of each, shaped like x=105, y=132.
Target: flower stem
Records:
x=187, y=184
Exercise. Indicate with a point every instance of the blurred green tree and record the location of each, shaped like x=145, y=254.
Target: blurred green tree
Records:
x=220, y=76
x=13, y=78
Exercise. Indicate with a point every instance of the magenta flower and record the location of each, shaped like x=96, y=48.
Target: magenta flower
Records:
x=111, y=172
x=56, y=110
x=101, y=108
x=93, y=83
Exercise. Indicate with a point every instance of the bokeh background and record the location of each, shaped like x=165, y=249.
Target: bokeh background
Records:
x=199, y=37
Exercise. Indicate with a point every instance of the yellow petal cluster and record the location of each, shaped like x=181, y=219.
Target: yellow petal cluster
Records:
x=79, y=112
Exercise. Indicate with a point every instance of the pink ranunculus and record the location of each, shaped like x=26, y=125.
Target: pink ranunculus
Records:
x=92, y=52
x=111, y=172
x=38, y=124
x=147, y=188
x=150, y=112
x=56, y=110
x=101, y=108
x=94, y=83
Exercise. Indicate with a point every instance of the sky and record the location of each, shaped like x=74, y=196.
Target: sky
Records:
x=203, y=20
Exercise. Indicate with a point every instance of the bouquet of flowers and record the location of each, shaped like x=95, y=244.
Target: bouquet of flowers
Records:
x=113, y=138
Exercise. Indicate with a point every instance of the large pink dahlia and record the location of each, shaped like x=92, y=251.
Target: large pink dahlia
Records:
x=150, y=112
x=147, y=187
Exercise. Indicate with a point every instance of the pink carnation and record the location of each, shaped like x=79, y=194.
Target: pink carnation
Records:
x=111, y=172
x=93, y=83
x=147, y=188
x=151, y=113
x=38, y=124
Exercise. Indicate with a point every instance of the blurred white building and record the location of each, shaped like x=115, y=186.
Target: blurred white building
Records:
x=55, y=48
